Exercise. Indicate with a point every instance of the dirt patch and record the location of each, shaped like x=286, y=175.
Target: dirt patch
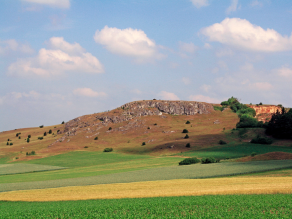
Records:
x=268, y=156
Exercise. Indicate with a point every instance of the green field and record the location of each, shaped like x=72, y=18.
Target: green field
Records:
x=219, y=206
x=8, y=169
x=162, y=173
x=235, y=150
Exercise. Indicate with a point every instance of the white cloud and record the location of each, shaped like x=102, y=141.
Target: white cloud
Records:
x=207, y=46
x=168, y=96
x=187, y=47
x=256, y=3
x=186, y=81
x=285, y=72
x=202, y=98
x=11, y=45
x=136, y=91
x=88, y=92
x=261, y=86
x=224, y=52
x=241, y=34
x=128, y=42
x=51, y=3
x=200, y=3
x=206, y=88
x=16, y=96
x=233, y=7
x=64, y=57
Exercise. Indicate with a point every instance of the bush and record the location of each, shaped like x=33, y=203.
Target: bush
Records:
x=189, y=161
x=41, y=126
x=188, y=122
x=11, y=143
x=261, y=140
x=219, y=108
x=248, y=122
x=110, y=128
x=85, y=146
x=187, y=136
x=29, y=136
x=31, y=153
x=253, y=154
x=148, y=128
x=40, y=138
x=188, y=145
x=155, y=123
x=19, y=137
x=45, y=133
x=222, y=142
x=260, y=103
x=8, y=139
x=185, y=131
x=27, y=140
x=96, y=138
x=108, y=150
x=206, y=160
x=50, y=131
x=143, y=143
x=7, y=143
x=63, y=122
x=58, y=131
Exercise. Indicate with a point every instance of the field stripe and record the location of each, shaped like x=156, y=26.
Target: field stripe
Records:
x=178, y=187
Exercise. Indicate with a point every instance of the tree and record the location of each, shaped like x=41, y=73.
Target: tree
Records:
x=27, y=140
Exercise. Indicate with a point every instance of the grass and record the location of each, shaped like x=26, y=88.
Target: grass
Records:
x=227, y=206
x=235, y=150
x=7, y=169
x=153, y=174
x=84, y=158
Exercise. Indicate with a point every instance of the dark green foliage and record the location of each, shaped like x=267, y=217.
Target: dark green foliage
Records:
x=58, y=130
x=50, y=131
x=85, y=146
x=30, y=153
x=17, y=134
x=155, y=123
x=8, y=139
x=222, y=142
x=63, y=122
x=11, y=143
x=45, y=133
x=110, y=128
x=148, y=128
x=41, y=126
x=206, y=160
x=27, y=140
x=280, y=105
x=96, y=138
x=261, y=140
x=280, y=125
x=189, y=161
x=219, y=108
x=253, y=154
x=19, y=137
x=225, y=103
x=185, y=131
x=143, y=143
x=248, y=122
x=260, y=103
x=247, y=111
x=188, y=122
x=40, y=138
x=188, y=145
x=29, y=136
x=187, y=136
x=7, y=143
x=108, y=150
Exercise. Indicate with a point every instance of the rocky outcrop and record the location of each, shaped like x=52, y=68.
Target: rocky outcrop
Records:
x=133, y=111
x=264, y=112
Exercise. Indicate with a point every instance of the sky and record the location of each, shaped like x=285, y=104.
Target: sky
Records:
x=61, y=59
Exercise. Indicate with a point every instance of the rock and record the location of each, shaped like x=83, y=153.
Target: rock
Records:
x=216, y=122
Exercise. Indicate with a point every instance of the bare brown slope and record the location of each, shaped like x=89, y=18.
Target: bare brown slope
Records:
x=278, y=155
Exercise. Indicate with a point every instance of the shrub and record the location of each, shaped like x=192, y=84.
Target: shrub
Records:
x=222, y=142
x=7, y=143
x=85, y=146
x=45, y=133
x=148, y=128
x=143, y=143
x=108, y=150
x=31, y=153
x=155, y=123
x=11, y=143
x=185, y=131
x=261, y=140
x=96, y=138
x=19, y=137
x=50, y=131
x=110, y=128
x=17, y=134
x=188, y=122
x=189, y=161
x=27, y=140
x=40, y=138
x=188, y=145
x=206, y=160
x=187, y=136
x=63, y=122
x=29, y=136
x=253, y=154
x=260, y=103
x=8, y=139
x=41, y=126
x=247, y=122
x=58, y=130
x=16, y=158
x=280, y=105
x=219, y=108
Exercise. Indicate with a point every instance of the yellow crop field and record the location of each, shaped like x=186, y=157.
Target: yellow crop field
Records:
x=178, y=187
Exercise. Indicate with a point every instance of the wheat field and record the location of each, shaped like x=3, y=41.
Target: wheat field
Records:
x=163, y=188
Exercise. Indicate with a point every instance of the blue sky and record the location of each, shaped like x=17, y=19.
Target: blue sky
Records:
x=60, y=59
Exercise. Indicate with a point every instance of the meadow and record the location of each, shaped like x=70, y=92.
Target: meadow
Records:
x=208, y=206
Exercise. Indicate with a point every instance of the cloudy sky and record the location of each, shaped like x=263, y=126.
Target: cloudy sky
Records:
x=60, y=59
